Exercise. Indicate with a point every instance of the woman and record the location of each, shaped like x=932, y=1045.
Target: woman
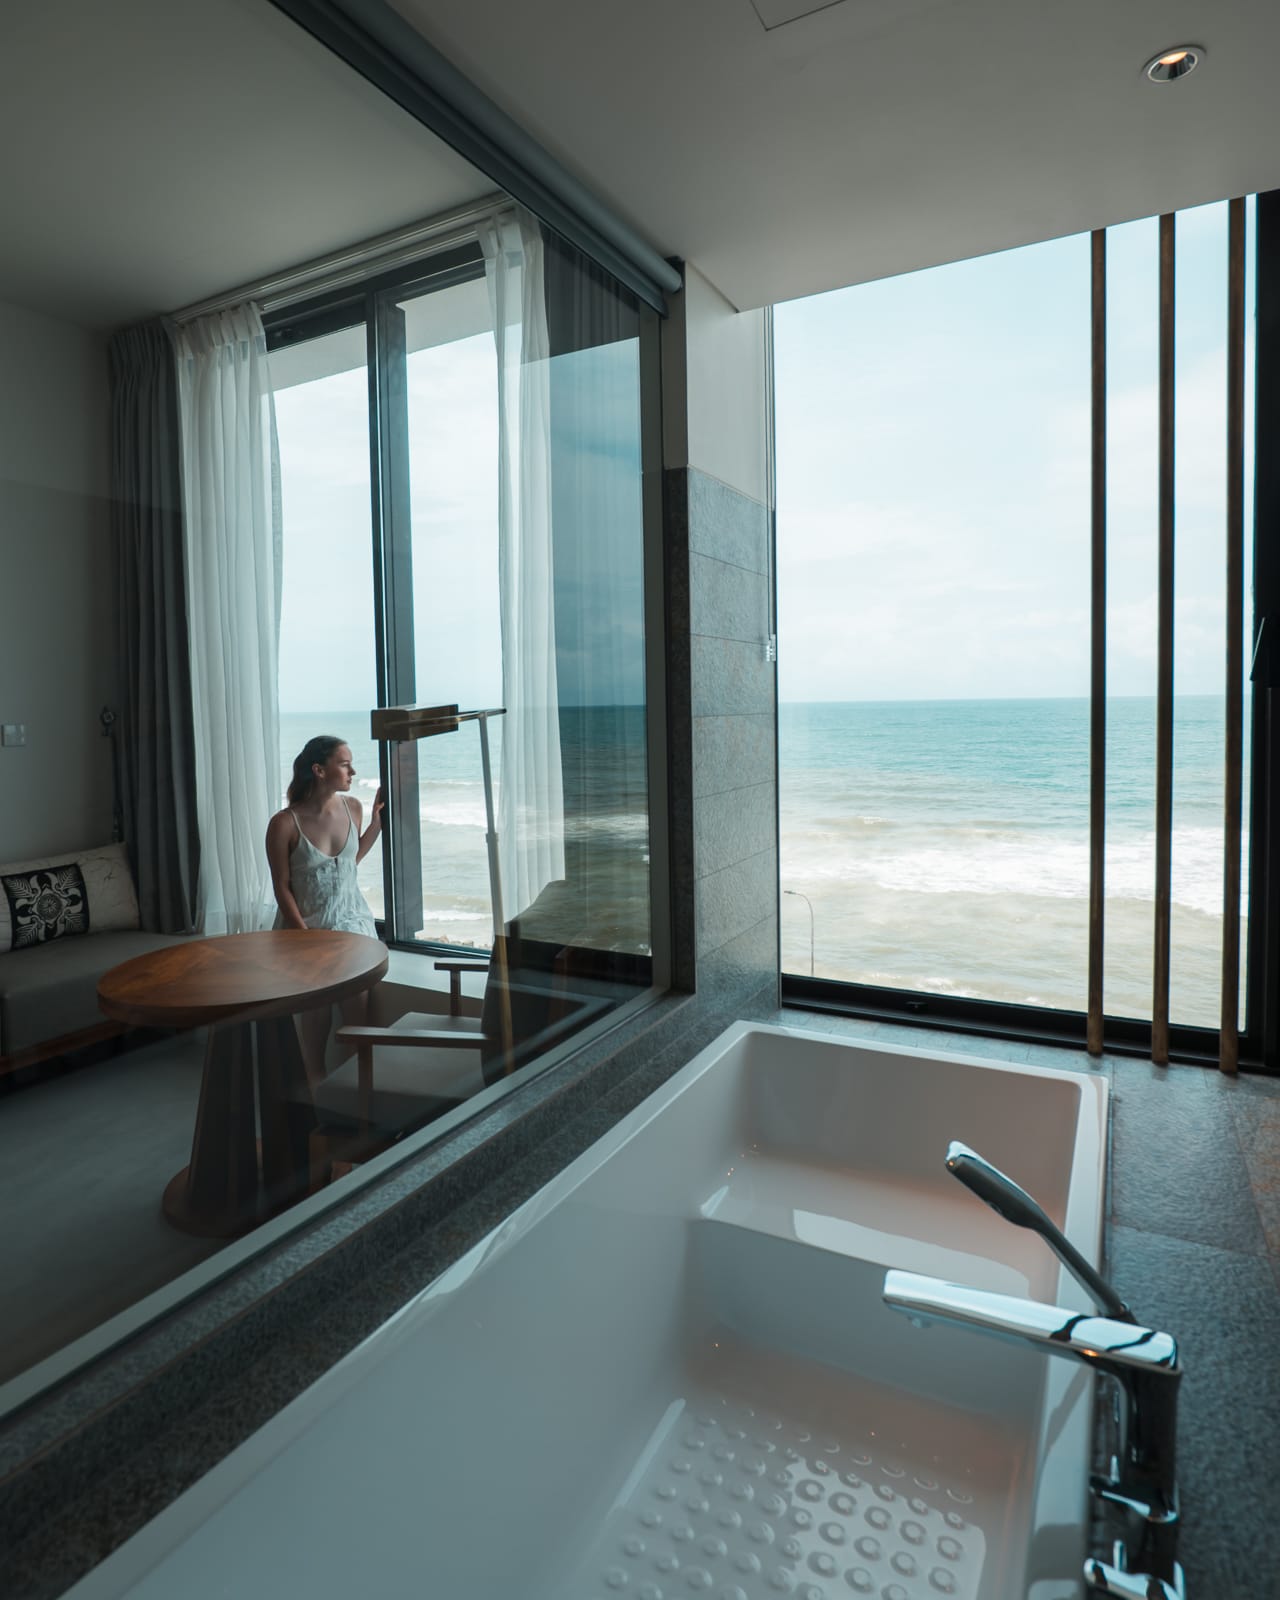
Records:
x=313, y=847
x=315, y=844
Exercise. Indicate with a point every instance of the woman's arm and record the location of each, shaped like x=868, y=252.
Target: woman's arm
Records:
x=278, y=835
x=371, y=833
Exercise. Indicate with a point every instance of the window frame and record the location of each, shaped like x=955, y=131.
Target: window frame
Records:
x=370, y=301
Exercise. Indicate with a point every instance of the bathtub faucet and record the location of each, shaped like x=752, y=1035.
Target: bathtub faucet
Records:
x=1144, y=1362
x=1015, y=1205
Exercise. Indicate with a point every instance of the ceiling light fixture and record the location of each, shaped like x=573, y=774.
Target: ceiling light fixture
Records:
x=1174, y=63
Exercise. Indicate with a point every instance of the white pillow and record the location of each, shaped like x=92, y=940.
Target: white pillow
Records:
x=108, y=888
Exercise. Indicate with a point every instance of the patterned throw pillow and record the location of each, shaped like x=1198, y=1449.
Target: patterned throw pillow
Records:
x=49, y=903
x=108, y=888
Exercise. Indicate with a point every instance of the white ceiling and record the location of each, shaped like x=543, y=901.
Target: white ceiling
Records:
x=156, y=152
x=871, y=137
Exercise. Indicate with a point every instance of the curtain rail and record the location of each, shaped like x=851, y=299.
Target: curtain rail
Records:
x=1229, y=1048
x=1164, y=661
x=1098, y=643
x=355, y=262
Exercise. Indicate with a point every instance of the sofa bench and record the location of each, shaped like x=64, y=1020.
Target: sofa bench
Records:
x=49, y=987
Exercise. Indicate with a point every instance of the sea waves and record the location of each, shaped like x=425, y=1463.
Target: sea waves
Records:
x=971, y=858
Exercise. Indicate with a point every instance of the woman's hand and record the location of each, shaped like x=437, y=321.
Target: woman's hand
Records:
x=370, y=834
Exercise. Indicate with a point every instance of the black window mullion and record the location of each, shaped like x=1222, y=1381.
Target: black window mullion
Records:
x=397, y=683
x=1262, y=1010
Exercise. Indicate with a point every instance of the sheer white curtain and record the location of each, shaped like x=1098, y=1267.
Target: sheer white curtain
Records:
x=233, y=551
x=531, y=799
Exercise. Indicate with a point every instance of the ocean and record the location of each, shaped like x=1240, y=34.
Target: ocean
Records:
x=942, y=846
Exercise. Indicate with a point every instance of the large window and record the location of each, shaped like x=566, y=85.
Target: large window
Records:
x=463, y=526
x=934, y=564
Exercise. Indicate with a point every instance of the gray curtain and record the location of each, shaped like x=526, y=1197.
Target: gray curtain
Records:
x=157, y=750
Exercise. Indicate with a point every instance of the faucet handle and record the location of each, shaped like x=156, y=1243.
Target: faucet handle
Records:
x=1100, y=1342
x=1010, y=1201
x=1104, y=1579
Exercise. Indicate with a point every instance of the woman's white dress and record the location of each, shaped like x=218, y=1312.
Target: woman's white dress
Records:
x=325, y=887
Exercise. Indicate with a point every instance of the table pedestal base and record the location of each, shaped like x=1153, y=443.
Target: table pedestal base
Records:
x=235, y=1179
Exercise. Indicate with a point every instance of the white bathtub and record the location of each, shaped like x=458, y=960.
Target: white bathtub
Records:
x=670, y=1373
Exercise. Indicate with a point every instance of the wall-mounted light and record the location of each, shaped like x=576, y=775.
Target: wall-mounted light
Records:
x=1174, y=63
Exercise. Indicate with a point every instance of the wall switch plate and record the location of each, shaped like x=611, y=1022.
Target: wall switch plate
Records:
x=13, y=733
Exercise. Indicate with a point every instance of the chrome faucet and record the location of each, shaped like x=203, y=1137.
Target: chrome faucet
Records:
x=1015, y=1205
x=1143, y=1361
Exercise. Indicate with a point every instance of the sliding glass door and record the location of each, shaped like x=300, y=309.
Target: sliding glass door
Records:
x=464, y=526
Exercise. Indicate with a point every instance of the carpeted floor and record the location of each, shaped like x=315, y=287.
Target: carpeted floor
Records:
x=84, y=1158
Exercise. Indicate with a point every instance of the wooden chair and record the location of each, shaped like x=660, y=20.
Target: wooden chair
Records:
x=420, y=1067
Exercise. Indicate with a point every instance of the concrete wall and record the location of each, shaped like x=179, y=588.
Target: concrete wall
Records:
x=57, y=590
x=719, y=525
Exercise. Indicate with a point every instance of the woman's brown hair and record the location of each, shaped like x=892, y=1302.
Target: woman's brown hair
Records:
x=315, y=753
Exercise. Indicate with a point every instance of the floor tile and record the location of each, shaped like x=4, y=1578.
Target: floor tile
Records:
x=1177, y=1166
x=1257, y=1125
x=1068, y=1059
x=1224, y=1310
x=946, y=1043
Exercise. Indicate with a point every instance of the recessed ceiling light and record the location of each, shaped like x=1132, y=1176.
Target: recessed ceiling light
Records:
x=1174, y=63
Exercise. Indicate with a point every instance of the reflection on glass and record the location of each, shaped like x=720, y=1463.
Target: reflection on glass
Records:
x=457, y=640
x=490, y=596
x=592, y=380
x=599, y=605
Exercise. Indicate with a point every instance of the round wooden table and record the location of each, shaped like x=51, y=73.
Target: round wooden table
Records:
x=246, y=988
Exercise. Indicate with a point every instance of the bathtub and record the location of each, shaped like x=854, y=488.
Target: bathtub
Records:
x=670, y=1373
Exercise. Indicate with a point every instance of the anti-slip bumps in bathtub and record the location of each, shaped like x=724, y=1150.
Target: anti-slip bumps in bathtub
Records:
x=732, y=1503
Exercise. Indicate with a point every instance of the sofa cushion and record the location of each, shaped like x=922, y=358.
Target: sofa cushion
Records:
x=52, y=989
x=45, y=904
x=108, y=886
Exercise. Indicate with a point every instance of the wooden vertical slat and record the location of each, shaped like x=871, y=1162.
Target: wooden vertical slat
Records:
x=1164, y=661
x=1229, y=1039
x=1098, y=643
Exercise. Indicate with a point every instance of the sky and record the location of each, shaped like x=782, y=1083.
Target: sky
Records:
x=933, y=493
x=327, y=652
x=933, y=475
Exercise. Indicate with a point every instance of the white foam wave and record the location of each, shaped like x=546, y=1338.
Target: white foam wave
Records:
x=459, y=814
x=1009, y=863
